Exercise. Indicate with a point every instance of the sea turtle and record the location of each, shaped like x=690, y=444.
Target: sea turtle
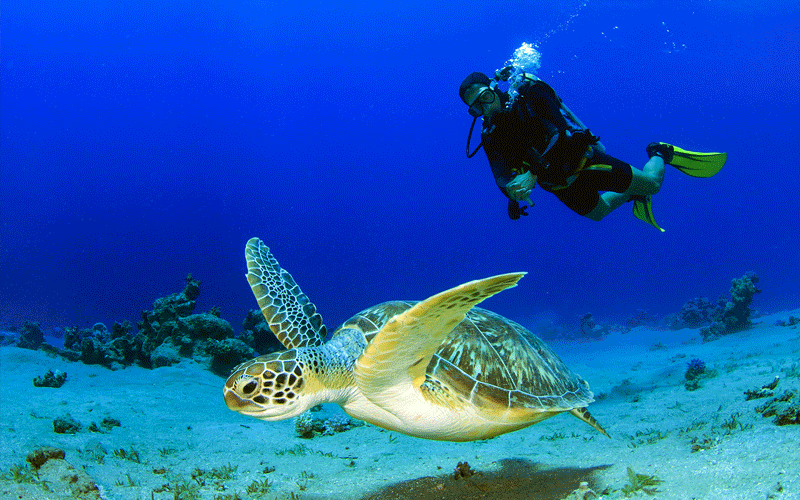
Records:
x=437, y=369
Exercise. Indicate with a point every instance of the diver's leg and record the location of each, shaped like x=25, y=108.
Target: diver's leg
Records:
x=617, y=178
x=648, y=180
x=609, y=201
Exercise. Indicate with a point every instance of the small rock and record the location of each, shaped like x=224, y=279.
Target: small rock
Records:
x=68, y=482
x=65, y=424
x=40, y=455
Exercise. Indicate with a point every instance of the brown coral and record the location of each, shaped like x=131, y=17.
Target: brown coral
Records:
x=462, y=471
x=39, y=456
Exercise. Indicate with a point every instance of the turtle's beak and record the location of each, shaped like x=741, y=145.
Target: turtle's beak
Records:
x=247, y=406
x=239, y=404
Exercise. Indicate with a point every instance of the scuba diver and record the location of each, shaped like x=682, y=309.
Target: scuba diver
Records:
x=530, y=137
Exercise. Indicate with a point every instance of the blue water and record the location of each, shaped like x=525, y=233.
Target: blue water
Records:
x=142, y=141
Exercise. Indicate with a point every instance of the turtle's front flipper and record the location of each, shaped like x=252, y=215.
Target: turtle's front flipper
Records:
x=288, y=311
x=397, y=357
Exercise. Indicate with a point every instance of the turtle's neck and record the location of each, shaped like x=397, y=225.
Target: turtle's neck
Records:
x=338, y=356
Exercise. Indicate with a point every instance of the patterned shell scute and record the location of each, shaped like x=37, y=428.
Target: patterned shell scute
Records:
x=369, y=321
x=491, y=360
x=497, y=360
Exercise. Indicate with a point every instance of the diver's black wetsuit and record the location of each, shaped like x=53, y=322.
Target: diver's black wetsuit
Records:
x=533, y=119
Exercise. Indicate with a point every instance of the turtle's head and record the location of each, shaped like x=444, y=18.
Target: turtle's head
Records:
x=275, y=386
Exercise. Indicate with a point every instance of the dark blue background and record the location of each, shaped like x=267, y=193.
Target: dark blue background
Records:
x=142, y=141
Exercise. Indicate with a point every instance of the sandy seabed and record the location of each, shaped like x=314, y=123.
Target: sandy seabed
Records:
x=708, y=443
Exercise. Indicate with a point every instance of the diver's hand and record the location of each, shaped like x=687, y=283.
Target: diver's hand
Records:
x=515, y=211
x=521, y=186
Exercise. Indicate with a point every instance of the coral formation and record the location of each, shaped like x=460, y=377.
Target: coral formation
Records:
x=225, y=354
x=766, y=391
x=307, y=426
x=733, y=315
x=40, y=455
x=785, y=408
x=590, y=328
x=166, y=334
x=105, y=425
x=7, y=338
x=258, y=335
x=98, y=346
x=640, y=318
x=582, y=493
x=695, y=368
x=60, y=477
x=463, y=471
x=792, y=321
x=31, y=336
x=696, y=372
x=694, y=314
x=51, y=379
x=170, y=332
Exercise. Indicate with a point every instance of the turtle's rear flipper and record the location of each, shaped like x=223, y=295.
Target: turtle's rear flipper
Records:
x=583, y=414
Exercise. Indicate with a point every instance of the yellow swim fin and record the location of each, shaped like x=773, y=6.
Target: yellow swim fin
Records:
x=697, y=164
x=643, y=210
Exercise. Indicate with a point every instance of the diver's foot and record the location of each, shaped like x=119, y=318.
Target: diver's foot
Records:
x=662, y=150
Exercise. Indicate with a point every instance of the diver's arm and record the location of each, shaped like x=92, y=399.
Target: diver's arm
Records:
x=516, y=187
x=502, y=173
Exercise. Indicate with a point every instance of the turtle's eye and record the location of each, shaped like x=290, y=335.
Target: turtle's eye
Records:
x=250, y=387
x=246, y=385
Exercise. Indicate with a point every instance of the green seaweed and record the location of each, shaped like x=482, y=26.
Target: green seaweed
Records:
x=640, y=482
x=224, y=472
x=302, y=450
x=733, y=424
x=131, y=455
x=694, y=426
x=553, y=437
x=259, y=488
x=648, y=436
x=130, y=481
x=299, y=450
x=21, y=473
x=184, y=490
x=303, y=480
x=220, y=473
x=703, y=443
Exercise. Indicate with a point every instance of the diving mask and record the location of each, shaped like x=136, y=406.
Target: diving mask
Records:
x=485, y=95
